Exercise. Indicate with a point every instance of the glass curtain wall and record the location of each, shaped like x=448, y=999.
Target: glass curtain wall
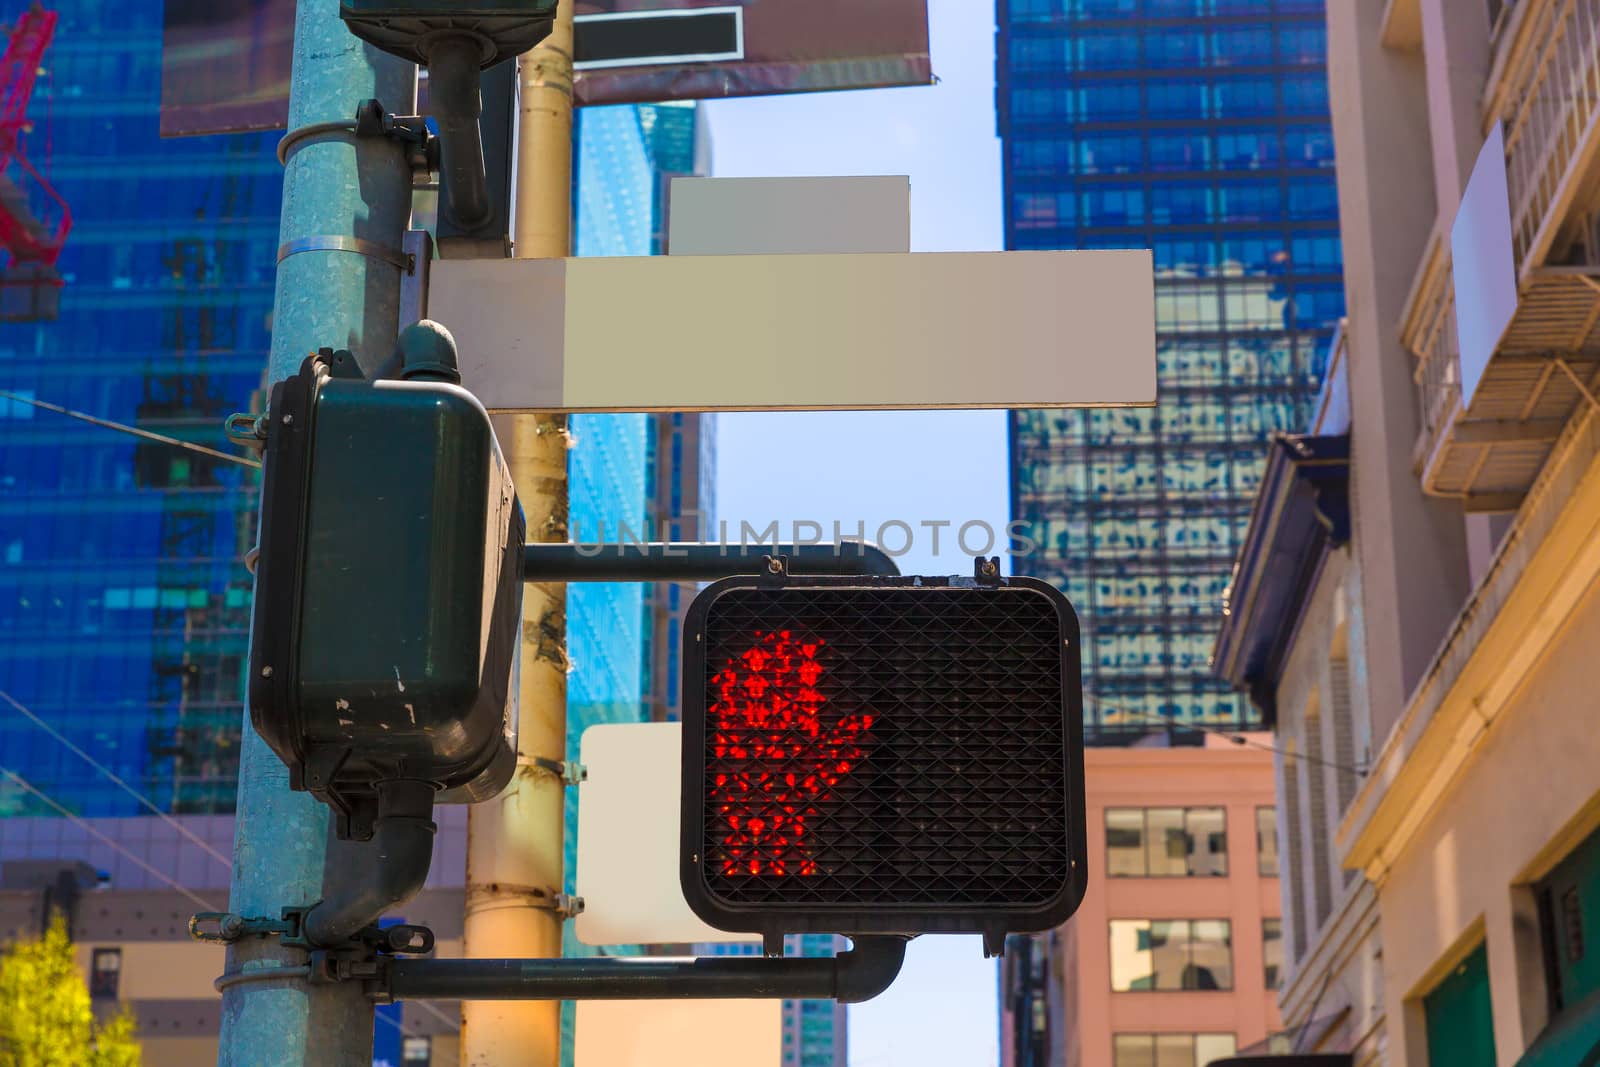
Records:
x=124, y=604
x=1198, y=129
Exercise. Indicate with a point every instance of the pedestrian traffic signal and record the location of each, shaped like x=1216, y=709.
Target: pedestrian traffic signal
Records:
x=388, y=589
x=409, y=28
x=882, y=755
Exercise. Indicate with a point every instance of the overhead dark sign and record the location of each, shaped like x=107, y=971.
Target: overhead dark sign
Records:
x=225, y=66
x=637, y=51
x=225, y=63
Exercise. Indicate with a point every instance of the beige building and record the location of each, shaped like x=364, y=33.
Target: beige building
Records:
x=130, y=924
x=1417, y=607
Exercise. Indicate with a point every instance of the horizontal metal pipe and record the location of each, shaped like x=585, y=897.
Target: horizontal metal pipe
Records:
x=851, y=977
x=694, y=562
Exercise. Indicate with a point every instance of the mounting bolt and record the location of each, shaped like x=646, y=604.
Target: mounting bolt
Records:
x=988, y=568
x=288, y=419
x=774, y=566
x=266, y=672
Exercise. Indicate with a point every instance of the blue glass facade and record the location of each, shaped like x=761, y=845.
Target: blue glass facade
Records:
x=1198, y=129
x=626, y=475
x=124, y=606
x=616, y=193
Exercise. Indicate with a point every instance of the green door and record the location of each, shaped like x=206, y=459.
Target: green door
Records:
x=1460, y=1024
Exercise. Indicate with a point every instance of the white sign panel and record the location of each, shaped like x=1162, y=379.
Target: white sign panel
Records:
x=803, y=332
x=789, y=216
x=628, y=839
x=678, y=1033
x=1484, y=265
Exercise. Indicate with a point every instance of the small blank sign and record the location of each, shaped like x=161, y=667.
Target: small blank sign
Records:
x=628, y=840
x=789, y=216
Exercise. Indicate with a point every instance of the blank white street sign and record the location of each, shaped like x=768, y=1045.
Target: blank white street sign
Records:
x=803, y=332
x=628, y=839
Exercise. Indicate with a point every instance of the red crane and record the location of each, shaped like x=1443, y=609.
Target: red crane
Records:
x=34, y=219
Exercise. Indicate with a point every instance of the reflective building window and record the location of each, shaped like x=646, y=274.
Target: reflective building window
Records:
x=1171, y=955
x=1166, y=842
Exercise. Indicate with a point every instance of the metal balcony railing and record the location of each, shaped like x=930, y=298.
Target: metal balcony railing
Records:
x=1544, y=89
x=1546, y=96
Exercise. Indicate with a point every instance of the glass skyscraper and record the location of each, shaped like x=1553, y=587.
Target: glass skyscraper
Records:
x=627, y=479
x=124, y=601
x=1198, y=129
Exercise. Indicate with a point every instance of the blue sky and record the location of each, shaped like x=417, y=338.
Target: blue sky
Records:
x=875, y=467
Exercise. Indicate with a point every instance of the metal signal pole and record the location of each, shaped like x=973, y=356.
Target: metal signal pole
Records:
x=346, y=205
x=515, y=841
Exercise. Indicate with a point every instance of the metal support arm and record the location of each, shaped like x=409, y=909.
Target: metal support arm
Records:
x=860, y=974
x=694, y=562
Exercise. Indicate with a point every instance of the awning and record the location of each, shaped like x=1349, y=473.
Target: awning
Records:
x=1571, y=1040
x=1302, y=511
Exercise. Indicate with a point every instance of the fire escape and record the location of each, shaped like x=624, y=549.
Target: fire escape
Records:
x=34, y=219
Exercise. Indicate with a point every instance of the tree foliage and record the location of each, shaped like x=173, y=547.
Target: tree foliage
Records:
x=45, y=1016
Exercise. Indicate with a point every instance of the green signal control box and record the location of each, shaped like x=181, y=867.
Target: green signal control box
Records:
x=388, y=592
x=407, y=28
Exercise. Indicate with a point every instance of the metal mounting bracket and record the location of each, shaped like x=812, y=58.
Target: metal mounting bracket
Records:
x=409, y=131
x=571, y=772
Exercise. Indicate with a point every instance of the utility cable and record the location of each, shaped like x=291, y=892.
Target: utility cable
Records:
x=134, y=430
x=92, y=832
x=183, y=830
x=1236, y=736
x=194, y=898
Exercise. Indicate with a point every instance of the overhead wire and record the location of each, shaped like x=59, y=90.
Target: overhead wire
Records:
x=145, y=801
x=115, y=846
x=164, y=816
x=148, y=435
x=1238, y=737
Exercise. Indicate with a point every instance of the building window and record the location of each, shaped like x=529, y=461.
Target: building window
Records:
x=1267, y=842
x=1170, y=1050
x=1171, y=954
x=417, y=1052
x=105, y=971
x=1272, y=952
x=1166, y=842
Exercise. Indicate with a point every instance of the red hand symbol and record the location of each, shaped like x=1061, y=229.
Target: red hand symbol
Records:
x=776, y=761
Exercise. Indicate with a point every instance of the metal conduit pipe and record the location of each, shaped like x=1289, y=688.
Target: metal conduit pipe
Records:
x=694, y=562
x=851, y=977
x=373, y=876
x=453, y=80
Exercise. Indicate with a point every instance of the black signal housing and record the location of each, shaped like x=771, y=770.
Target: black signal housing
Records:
x=882, y=756
x=389, y=591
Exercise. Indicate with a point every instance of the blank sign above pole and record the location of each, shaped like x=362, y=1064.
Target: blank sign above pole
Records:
x=804, y=332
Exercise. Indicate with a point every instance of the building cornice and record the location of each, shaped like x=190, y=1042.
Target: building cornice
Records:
x=1548, y=562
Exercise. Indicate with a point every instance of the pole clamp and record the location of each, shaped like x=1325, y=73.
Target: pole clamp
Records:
x=224, y=927
x=334, y=242
x=571, y=772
